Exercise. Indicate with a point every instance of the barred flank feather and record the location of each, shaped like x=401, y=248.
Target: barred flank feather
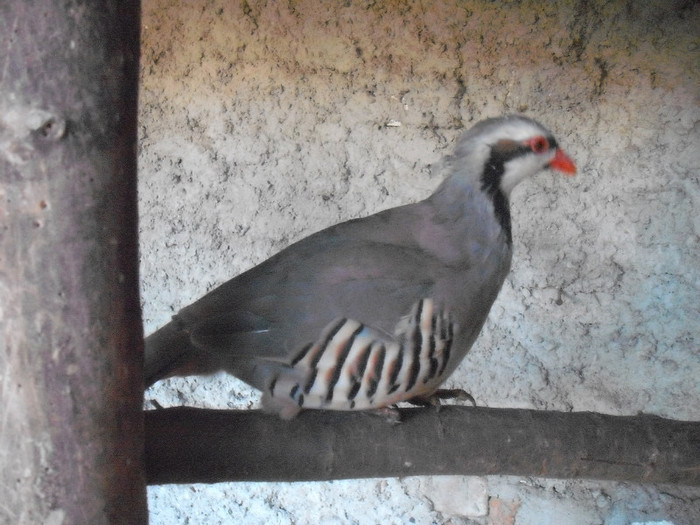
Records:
x=352, y=367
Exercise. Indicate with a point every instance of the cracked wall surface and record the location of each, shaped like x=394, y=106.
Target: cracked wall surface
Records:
x=261, y=123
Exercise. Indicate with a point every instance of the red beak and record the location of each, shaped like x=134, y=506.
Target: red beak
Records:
x=562, y=162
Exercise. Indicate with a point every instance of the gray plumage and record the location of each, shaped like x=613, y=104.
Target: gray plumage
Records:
x=414, y=282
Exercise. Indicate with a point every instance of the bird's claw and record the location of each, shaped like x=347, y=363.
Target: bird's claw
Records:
x=434, y=399
x=390, y=414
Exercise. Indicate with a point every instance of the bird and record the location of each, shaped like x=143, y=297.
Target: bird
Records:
x=375, y=310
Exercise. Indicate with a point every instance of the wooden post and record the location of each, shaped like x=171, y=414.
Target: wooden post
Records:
x=71, y=426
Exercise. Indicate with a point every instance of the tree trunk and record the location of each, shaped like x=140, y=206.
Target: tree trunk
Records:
x=71, y=436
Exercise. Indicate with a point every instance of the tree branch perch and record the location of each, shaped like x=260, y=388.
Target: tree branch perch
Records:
x=185, y=445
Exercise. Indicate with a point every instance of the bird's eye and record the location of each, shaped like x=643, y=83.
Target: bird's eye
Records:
x=539, y=144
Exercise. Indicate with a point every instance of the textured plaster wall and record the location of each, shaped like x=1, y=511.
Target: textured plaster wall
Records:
x=261, y=123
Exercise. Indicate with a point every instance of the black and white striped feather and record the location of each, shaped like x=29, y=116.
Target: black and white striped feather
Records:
x=354, y=367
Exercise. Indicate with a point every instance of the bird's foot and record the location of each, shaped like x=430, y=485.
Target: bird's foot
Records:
x=434, y=399
x=390, y=414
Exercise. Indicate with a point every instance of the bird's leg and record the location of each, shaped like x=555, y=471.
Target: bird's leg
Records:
x=156, y=404
x=444, y=393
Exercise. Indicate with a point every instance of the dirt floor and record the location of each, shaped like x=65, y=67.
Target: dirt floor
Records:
x=261, y=123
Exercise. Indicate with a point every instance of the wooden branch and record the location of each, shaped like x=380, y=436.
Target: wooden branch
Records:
x=185, y=445
x=71, y=420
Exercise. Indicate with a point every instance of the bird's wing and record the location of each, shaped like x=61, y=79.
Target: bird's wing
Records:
x=295, y=296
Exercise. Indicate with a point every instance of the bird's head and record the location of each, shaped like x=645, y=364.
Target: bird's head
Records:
x=501, y=152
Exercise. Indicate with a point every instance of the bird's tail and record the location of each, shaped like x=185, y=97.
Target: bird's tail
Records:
x=169, y=352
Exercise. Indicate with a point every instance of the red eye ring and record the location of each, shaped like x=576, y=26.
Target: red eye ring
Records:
x=539, y=144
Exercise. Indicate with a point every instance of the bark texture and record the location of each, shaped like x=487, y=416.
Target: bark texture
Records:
x=71, y=438
x=185, y=445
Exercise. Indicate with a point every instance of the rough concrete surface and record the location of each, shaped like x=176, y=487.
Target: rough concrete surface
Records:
x=261, y=123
